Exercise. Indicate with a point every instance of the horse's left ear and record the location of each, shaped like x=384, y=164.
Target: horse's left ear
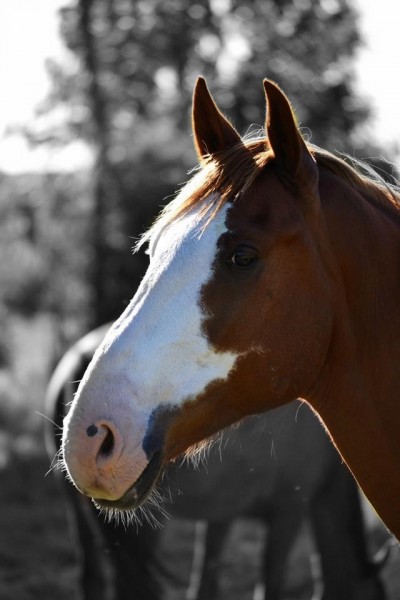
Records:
x=290, y=151
x=212, y=132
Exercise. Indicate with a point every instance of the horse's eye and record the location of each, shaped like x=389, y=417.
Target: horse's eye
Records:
x=244, y=256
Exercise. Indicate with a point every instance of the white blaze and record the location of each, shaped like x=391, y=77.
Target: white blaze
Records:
x=158, y=343
x=157, y=353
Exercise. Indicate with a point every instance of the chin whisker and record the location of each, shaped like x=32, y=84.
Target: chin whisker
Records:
x=151, y=512
x=197, y=455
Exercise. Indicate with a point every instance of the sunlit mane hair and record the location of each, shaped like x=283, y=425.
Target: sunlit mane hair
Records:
x=361, y=176
x=230, y=173
x=221, y=177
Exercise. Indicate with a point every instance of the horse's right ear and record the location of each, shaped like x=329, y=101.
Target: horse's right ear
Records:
x=291, y=153
x=212, y=132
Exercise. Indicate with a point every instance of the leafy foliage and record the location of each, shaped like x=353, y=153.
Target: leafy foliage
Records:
x=43, y=243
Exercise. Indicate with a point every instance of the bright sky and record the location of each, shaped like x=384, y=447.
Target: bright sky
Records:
x=28, y=36
x=378, y=65
x=24, y=81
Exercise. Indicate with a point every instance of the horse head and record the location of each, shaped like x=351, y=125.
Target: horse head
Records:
x=212, y=332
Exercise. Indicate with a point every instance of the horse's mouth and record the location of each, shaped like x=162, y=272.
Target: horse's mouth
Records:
x=139, y=491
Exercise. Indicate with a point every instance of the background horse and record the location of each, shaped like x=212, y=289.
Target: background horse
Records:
x=273, y=275
x=279, y=468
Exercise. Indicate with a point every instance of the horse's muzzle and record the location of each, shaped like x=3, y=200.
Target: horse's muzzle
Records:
x=140, y=490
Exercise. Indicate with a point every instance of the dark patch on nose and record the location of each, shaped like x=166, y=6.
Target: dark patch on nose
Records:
x=92, y=430
x=157, y=426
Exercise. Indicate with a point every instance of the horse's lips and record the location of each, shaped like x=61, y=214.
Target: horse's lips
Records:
x=140, y=490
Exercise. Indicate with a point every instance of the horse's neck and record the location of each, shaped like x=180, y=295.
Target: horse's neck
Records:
x=363, y=421
x=364, y=248
x=358, y=392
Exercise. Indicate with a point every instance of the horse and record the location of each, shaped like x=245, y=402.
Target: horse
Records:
x=273, y=275
x=280, y=468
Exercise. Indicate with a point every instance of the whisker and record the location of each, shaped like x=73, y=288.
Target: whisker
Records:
x=48, y=419
x=57, y=463
x=139, y=516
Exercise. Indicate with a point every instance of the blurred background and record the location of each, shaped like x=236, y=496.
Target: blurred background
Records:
x=95, y=137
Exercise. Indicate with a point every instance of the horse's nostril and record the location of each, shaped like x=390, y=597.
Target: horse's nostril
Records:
x=108, y=443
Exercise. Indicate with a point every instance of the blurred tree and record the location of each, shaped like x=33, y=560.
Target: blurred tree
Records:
x=129, y=96
x=44, y=247
x=107, y=183
x=147, y=54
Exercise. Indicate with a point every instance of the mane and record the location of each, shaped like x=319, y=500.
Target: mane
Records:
x=362, y=177
x=229, y=174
